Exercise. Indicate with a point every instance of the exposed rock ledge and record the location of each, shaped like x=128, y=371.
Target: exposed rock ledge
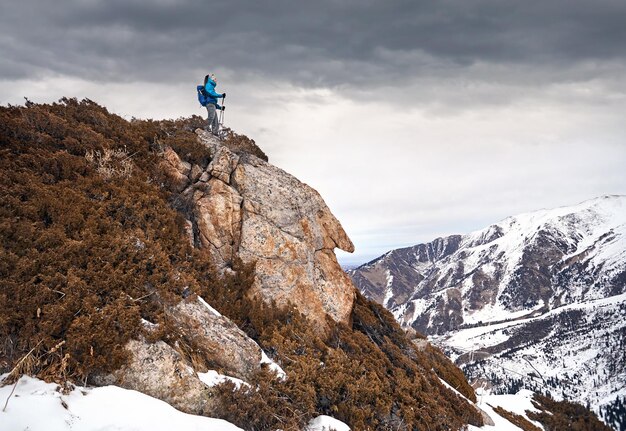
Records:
x=245, y=207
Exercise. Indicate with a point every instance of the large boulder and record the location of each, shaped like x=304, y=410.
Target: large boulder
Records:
x=257, y=212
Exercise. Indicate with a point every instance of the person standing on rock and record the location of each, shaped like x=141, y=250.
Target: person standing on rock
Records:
x=213, y=124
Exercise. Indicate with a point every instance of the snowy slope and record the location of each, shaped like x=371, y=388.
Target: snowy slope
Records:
x=574, y=352
x=38, y=406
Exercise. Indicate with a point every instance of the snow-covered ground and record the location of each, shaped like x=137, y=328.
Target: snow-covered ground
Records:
x=327, y=423
x=489, y=335
x=213, y=378
x=273, y=366
x=517, y=403
x=578, y=357
x=39, y=406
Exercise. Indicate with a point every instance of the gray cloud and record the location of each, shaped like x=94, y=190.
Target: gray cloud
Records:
x=312, y=43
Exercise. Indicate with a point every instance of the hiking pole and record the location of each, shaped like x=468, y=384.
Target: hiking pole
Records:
x=222, y=112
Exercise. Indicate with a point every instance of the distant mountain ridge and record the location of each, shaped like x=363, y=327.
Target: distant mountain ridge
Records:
x=527, y=263
x=537, y=300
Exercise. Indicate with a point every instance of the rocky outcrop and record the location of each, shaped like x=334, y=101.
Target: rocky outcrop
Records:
x=244, y=207
x=206, y=340
x=215, y=340
x=176, y=170
x=217, y=214
x=158, y=370
x=240, y=207
x=290, y=232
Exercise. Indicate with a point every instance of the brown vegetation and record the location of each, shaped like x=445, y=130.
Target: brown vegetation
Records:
x=241, y=143
x=89, y=245
x=92, y=244
x=515, y=419
x=368, y=375
x=564, y=415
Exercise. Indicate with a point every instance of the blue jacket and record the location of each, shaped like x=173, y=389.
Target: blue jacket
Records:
x=210, y=90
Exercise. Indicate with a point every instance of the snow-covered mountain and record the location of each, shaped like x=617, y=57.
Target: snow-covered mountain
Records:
x=538, y=299
x=527, y=264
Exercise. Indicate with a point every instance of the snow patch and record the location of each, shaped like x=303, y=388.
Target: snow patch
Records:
x=447, y=385
x=490, y=335
x=213, y=378
x=326, y=423
x=517, y=403
x=148, y=325
x=273, y=366
x=211, y=309
x=389, y=290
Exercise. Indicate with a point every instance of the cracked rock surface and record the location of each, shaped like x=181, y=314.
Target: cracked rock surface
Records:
x=245, y=207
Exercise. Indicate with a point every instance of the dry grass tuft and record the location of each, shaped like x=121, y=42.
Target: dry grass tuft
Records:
x=111, y=162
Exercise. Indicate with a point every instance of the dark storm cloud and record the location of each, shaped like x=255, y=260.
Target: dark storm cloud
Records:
x=325, y=42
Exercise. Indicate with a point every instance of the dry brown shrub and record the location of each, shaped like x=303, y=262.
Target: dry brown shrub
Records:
x=241, y=143
x=111, y=162
x=515, y=419
x=564, y=415
x=89, y=245
x=368, y=375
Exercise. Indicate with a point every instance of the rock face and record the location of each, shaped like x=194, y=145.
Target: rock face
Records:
x=288, y=229
x=243, y=207
x=240, y=207
x=176, y=170
x=217, y=214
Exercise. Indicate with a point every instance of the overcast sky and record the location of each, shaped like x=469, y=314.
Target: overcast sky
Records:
x=414, y=119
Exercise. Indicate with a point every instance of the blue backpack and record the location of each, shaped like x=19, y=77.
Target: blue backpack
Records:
x=203, y=98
